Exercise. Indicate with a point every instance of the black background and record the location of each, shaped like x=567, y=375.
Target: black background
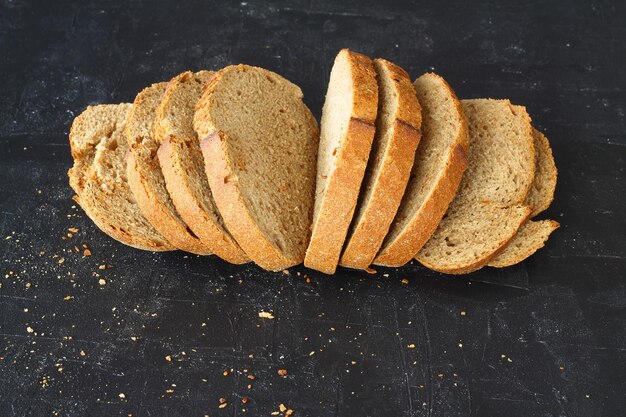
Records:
x=543, y=338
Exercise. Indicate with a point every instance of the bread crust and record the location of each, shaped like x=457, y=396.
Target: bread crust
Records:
x=339, y=201
x=223, y=181
x=189, y=207
x=426, y=219
x=391, y=180
x=546, y=175
x=425, y=222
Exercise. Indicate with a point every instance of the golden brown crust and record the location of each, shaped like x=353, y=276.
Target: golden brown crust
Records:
x=223, y=181
x=171, y=154
x=341, y=195
x=519, y=216
x=157, y=213
x=425, y=222
x=189, y=209
x=390, y=184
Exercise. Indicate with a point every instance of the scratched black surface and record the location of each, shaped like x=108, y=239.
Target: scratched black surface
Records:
x=546, y=337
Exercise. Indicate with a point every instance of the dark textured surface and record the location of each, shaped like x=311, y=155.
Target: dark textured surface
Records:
x=544, y=338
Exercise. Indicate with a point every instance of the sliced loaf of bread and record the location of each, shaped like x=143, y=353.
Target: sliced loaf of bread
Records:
x=440, y=161
x=487, y=210
x=347, y=131
x=542, y=191
x=533, y=234
x=99, y=177
x=398, y=132
x=183, y=165
x=145, y=177
x=259, y=142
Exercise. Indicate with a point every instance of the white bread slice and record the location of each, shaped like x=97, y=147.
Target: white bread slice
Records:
x=531, y=237
x=99, y=177
x=183, y=165
x=398, y=132
x=145, y=177
x=487, y=211
x=347, y=130
x=542, y=191
x=533, y=234
x=440, y=161
x=259, y=142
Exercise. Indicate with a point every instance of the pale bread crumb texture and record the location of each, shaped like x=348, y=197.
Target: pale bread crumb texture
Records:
x=541, y=193
x=531, y=237
x=99, y=177
x=347, y=131
x=269, y=150
x=440, y=161
x=486, y=212
x=182, y=165
x=398, y=133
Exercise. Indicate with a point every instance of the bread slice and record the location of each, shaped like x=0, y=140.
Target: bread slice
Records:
x=347, y=130
x=145, y=177
x=529, y=238
x=533, y=234
x=259, y=142
x=99, y=177
x=388, y=169
x=487, y=211
x=542, y=191
x=182, y=165
x=440, y=161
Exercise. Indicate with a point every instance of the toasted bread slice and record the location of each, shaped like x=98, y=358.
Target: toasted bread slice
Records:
x=99, y=177
x=182, y=165
x=259, y=142
x=487, y=210
x=398, y=132
x=440, y=161
x=542, y=191
x=347, y=131
x=145, y=177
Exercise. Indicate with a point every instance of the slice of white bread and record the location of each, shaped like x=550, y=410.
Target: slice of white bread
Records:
x=533, y=234
x=145, y=177
x=259, y=142
x=99, y=177
x=398, y=132
x=182, y=165
x=487, y=210
x=542, y=191
x=347, y=131
x=440, y=161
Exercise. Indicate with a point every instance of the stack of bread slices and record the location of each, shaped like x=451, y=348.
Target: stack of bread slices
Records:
x=232, y=163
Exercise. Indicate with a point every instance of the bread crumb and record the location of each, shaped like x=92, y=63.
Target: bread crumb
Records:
x=244, y=400
x=371, y=271
x=405, y=281
x=102, y=282
x=122, y=395
x=82, y=353
x=282, y=408
x=411, y=346
x=266, y=315
x=282, y=372
x=61, y=261
x=29, y=329
x=87, y=252
x=168, y=358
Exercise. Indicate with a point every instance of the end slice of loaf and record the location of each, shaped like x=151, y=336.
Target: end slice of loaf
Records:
x=347, y=131
x=398, y=132
x=145, y=177
x=440, y=161
x=259, y=142
x=99, y=177
x=182, y=165
x=531, y=237
x=487, y=210
x=542, y=191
